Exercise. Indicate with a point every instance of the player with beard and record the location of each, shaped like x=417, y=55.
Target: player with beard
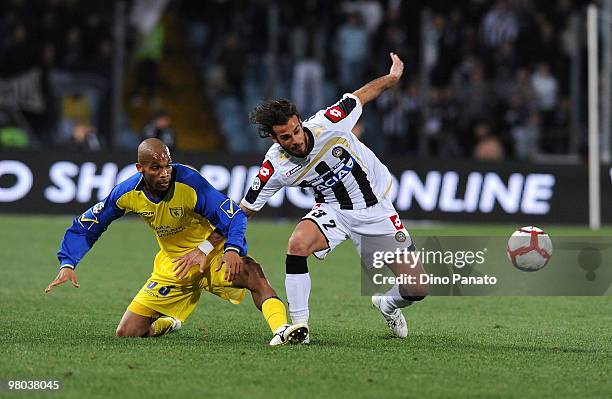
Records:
x=351, y=189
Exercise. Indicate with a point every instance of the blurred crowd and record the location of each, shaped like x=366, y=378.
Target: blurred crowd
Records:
x=497, y=72
x=56, y=58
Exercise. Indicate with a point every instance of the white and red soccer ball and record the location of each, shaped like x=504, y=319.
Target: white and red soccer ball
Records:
x=529, y=248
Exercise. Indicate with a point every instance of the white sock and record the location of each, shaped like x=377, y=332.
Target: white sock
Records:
x=298, y=291
x=392, y=300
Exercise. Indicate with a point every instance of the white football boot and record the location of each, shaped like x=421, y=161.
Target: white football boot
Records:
x=176, y=324
x=290, y=333
x=395, y=320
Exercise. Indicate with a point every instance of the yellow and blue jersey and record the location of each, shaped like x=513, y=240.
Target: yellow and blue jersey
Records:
x=189, y=212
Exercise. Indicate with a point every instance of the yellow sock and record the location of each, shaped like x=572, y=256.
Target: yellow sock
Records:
x=274, y=312
x=161, y=326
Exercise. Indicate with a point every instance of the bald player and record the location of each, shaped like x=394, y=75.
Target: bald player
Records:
x=183, y=210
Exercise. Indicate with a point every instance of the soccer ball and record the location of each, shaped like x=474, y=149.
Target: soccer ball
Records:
x=529, y=249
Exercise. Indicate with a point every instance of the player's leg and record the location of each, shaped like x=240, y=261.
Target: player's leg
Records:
x=305, y=239
x=319, y=232
x=383, y=230
x=402, y=295
x=406, y=294
x=410, y=268
x=163, y=303
x=252, y=277
x=142, y=321
x=134, y=325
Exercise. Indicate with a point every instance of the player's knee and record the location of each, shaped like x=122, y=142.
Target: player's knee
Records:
x=125, y=331
x=414, y=293
x=256, y=277
x=298, y=246
x=122, y=331
x=420, y=291
x=414, y=298
x=252, y=267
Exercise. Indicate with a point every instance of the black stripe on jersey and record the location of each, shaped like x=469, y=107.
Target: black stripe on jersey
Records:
x=252, y=195
x=319, y=198
x=340, y=110
x=259, y=182
x=364, y=185
x=342, y=196
x=347, y=104
x=360, y=177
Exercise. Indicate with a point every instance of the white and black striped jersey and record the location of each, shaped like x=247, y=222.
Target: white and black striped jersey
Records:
x=340, y=170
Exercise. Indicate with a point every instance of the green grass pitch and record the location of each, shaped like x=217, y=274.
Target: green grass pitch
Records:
x=485, y=347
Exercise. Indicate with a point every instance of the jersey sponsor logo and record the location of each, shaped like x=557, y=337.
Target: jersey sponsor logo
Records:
x=146, y=213
x=265, y=171
x=296, y=169
x=229, y=208
x=330, y=179
x=341, y=110
x=166, y=230
x=335, y=114
x=397, y=222
x=177, y=212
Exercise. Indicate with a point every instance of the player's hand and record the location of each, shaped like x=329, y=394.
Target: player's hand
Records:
x=188, y=261
x=233, y=263
x=397, y=67
x=64, y=275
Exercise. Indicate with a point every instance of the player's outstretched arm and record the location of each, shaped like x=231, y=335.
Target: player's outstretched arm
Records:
x=81, y=236
x=65, y=274
x=374, y=88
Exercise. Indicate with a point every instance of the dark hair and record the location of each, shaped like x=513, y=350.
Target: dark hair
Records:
x=271, y=113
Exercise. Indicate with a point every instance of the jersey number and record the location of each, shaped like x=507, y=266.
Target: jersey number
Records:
x=318, y=213
x=163, y=291
x=330, y=224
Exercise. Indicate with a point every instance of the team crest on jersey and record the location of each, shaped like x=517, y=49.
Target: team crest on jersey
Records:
x=337, y=152
x=229, y=208
x=177, y=212
x=256, y=183
x=400, y=236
